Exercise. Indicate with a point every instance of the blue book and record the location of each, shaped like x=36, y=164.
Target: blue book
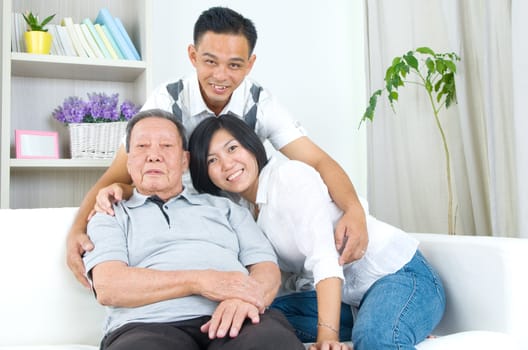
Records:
x=125, y=35
x=97, y=39
x=105, y=18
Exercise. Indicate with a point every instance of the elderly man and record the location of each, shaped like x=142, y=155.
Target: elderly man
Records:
x=162, y=264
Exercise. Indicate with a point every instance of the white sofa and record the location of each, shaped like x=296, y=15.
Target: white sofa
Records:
x=42, y=306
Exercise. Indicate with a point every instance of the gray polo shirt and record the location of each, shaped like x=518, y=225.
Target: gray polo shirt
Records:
x=188, y=232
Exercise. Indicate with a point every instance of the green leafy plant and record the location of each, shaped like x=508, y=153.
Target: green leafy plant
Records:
x=34, y=24
x=435, y=72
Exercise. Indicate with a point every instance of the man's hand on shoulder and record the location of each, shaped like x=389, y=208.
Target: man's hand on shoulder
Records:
x=351, y=236
x=77, y=244
x=109, y=195
x=228, y=318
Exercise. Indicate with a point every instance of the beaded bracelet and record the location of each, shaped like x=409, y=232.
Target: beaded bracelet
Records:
x=321, y=324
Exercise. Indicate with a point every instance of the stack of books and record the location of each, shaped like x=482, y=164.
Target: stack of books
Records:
x=105, y=37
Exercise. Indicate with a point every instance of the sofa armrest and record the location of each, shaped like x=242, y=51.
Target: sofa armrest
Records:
x=40, y=300
x=485, y=280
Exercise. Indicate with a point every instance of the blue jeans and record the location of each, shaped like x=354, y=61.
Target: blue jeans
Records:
x=400, y=309
x=397, y=312
x=301, y=310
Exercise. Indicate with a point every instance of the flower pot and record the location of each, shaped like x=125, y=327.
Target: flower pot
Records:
x=96, y=140
x=38, y=42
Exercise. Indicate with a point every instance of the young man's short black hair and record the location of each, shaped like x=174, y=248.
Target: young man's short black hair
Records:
x=222, y=20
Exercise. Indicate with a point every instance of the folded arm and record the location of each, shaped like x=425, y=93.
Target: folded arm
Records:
x=117, y=284
x=78, y=241
x=231, y=314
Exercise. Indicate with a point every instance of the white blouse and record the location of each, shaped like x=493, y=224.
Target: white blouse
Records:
x=298, y=216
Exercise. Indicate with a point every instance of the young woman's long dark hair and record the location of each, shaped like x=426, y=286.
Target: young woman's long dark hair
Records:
x=200, y=141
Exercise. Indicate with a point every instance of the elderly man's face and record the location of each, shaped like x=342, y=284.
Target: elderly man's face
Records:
x=156, y=159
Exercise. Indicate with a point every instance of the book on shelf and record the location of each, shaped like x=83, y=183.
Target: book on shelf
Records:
x=83, y=41
x=64, y=38
x=99, y=41
x=56, y=44
x=68, y=23
x=106, y=41
x=91, y=41
x=125, y=35
x=104, y=17
x=112, y=42
x=54, y=50
x=14, y=34
x=18, y=27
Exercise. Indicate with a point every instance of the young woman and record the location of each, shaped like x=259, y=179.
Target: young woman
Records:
x=397, y=298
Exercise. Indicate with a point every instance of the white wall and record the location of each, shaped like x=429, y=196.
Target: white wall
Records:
x=310, y=54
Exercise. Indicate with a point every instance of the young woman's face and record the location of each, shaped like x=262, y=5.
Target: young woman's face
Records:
x=231, y=167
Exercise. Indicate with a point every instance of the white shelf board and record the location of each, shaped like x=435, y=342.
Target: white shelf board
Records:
x=58, y=163
x=70, y=67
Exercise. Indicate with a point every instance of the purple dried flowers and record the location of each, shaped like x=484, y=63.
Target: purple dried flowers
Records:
x=100, y=108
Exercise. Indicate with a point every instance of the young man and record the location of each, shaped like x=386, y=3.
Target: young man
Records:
x=222, y=55
x=159, y=263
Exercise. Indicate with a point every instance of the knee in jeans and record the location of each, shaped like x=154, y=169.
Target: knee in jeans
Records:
x=365, y=338
x=378, y=338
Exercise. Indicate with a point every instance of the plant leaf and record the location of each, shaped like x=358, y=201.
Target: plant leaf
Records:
x=411, y=60
x=451, y=66
x=47, y=20
x=425, y=51
x=369, y=112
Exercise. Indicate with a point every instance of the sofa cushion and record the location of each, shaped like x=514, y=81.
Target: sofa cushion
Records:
x=482, y=340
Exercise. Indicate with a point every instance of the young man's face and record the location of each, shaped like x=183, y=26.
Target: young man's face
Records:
x=222, y=62
x=156, y=159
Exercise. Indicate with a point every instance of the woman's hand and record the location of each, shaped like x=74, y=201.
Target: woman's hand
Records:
x=329, y=345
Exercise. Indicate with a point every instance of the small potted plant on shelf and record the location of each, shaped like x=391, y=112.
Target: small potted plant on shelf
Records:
x=37, y=38
x=96, y=126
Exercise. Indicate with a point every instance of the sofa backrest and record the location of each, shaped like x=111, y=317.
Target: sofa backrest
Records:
x=40, y=300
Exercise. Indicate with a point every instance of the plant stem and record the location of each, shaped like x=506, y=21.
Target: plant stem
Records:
x=450, y=219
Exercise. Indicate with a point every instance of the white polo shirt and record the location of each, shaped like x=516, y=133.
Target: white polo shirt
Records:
x=273, y=122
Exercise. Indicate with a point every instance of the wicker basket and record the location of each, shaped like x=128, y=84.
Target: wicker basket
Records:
x=96, y=140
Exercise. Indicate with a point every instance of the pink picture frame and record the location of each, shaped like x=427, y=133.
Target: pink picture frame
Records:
x=32, y=144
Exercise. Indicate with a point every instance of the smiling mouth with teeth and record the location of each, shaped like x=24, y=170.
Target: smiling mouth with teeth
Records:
x=219, y=87
x=235, y=175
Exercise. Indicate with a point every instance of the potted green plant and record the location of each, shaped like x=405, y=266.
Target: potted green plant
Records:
x=37, y=38
x=436, y=74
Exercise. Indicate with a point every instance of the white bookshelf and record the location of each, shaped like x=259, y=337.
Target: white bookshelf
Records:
x=32, y=86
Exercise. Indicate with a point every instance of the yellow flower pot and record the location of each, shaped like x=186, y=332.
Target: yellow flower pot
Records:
x=38, y=42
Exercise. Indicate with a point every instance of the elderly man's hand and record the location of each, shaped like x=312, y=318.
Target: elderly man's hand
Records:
x=229, y=317
x=220, y=285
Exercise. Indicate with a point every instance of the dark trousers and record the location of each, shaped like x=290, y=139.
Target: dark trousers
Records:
x=273, y=332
